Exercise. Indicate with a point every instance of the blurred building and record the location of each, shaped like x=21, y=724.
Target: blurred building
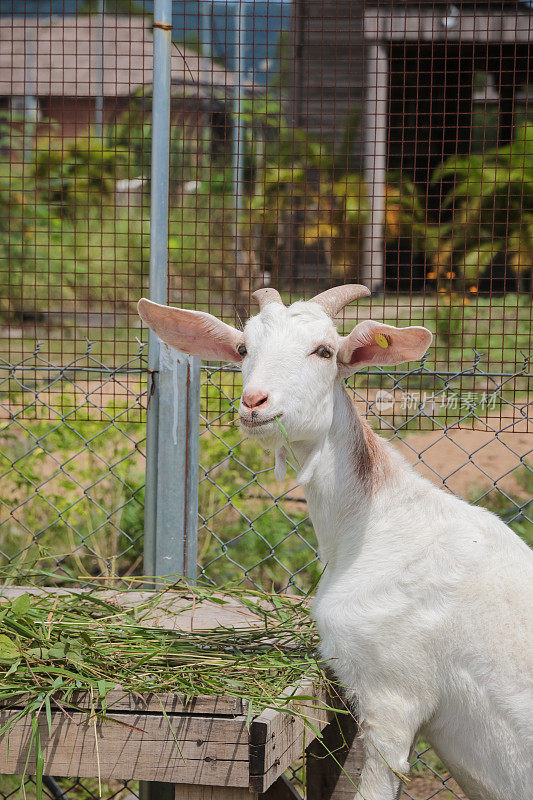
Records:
x=195, y=22
x=61, y=68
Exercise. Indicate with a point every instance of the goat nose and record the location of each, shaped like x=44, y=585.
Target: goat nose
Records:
x=254, y=399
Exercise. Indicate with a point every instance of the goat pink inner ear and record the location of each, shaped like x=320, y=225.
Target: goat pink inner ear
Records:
x=361, y=355
x=374, y=343
x=194, y=332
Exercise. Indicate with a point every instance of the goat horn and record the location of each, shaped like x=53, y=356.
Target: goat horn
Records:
x=333, y=300
x=266, y=296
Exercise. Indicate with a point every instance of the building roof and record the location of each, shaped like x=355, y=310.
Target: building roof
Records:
x=61, y=56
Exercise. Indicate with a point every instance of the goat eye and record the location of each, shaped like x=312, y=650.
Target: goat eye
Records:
x=242, y=350
x=323, y=351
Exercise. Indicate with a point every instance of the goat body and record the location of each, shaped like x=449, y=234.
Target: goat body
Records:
x=423, y=612
x=424, y=607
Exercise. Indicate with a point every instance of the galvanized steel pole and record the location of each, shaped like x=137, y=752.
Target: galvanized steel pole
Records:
x=238, y=155
x=238, y=126
x=99, y=49
x=171, y=500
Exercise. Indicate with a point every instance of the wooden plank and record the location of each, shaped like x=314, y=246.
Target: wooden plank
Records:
x=172, y=612
x=118, y=700
x=299, y=740
x=331, y=778
x=215, y=747
x=192, y=792
x=214, y=751
x=288, y=734
x=281, y=789
x=176, y=704
x=277, y=739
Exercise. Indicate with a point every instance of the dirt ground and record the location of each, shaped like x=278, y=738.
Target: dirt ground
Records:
x=467, y=462
x=426, y=788
x=470, y=461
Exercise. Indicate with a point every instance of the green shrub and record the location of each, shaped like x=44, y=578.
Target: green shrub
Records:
x=492, y=198
x=71, y=176
x=71, y=491
x=131, y=133
x=51, y=260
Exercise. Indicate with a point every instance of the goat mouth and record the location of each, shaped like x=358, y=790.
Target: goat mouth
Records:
x=257, y=423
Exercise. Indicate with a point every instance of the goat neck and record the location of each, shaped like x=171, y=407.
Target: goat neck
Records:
x=350, y=470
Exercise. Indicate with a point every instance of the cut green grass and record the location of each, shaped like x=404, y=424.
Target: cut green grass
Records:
x=54, y=645
x=285, y=435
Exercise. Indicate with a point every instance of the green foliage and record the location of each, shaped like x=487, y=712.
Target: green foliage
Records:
x=498, y=329
x=7, y=133
x=449, y=319
x=70, y=176
x=492, y=199
x=201, y=246
x=58, y=645
x=405, y=213
x=244, y=534
x=63, y=262
x=15, y=222
x=132, y=133
x=77, y=488
x=62, y=238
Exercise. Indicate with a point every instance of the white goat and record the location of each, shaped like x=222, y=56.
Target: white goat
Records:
x=424, y=607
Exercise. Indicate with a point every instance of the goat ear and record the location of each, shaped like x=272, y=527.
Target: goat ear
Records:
x=194, y=332
x=375, y=343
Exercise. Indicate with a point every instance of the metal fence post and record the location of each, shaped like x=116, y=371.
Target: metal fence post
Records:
x=174, y=379
x=171, y=511
x=99, y=51
x=238, y=155
x=172, y=446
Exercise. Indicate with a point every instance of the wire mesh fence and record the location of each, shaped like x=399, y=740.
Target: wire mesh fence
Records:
x=255, y=527
x=72, y=464
x=62, y=788
x=312, y=143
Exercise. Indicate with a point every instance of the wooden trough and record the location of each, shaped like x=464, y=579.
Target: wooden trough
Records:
x=206, y=746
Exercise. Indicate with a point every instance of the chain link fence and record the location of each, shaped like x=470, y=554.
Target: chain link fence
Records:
x=311, y=144
x=72, y=466
x=255, y=528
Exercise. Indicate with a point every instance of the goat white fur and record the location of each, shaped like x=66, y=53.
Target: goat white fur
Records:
x=424, y=607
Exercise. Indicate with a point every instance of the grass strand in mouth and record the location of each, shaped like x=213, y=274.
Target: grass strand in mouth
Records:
x=285, y=435
x=54, y=644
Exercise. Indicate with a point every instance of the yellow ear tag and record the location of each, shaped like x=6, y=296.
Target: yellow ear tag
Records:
x=381, y=340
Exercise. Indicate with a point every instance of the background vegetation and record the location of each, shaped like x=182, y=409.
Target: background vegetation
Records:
x=72, y=485
x=69, y=240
